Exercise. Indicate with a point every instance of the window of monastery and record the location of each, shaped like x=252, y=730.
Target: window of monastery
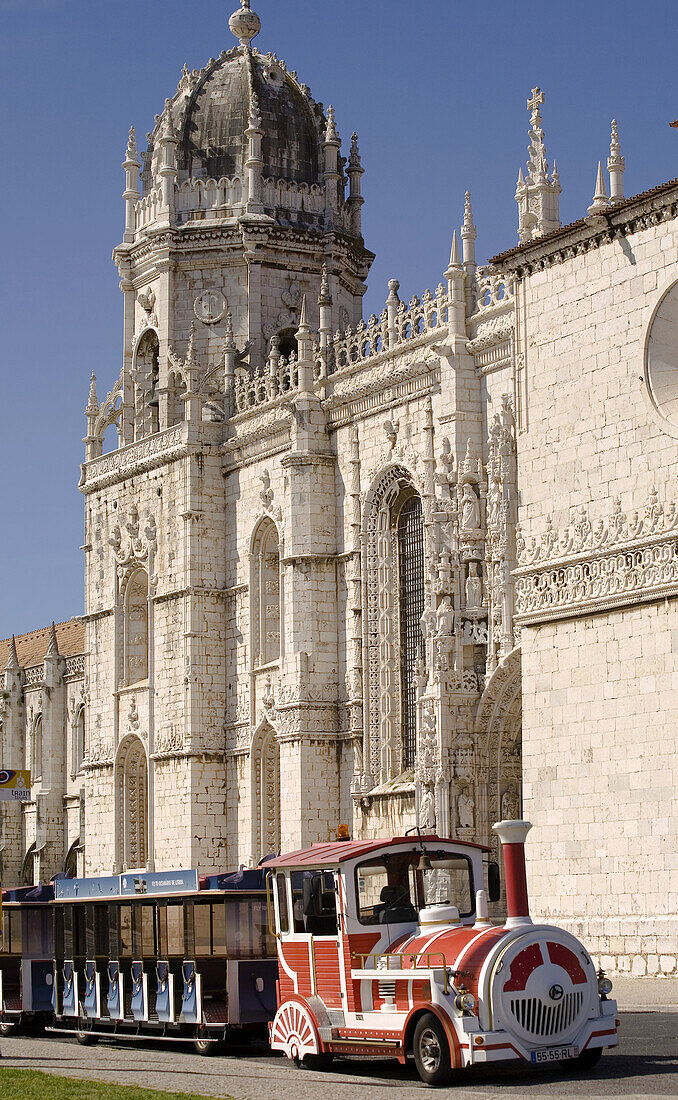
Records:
x=265, y=612
x=79, y=740
x=135, y=642
x=146, y=373
x=394, y=572
x=36, y=762
x=661, y=359
x=411, y=600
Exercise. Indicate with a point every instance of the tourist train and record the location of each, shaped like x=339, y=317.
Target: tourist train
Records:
x=385, y=949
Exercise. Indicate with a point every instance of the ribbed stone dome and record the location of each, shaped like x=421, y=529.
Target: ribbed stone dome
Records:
x=212, y=141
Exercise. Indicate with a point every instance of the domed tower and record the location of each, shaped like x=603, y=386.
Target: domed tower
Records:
x=245, y=197
x=245, y=240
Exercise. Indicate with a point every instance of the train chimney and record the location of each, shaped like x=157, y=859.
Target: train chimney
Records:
x=512, y=836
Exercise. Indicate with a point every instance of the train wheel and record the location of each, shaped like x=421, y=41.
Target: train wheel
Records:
x=206, y=1047
x=8, y=1028
x=586, y=1060
x=432, y=1051
x=85, y=1037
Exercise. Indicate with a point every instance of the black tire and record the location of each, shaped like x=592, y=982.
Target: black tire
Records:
x=86, y=1039
x=206, y=1047
x=586, y=1060
x=8, y=1027
x=432, y=1051
x=319, y=1062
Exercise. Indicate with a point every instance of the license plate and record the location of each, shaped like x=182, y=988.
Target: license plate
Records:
x=554, y=1054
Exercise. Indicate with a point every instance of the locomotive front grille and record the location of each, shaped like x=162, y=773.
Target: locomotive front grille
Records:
x=544, y=1019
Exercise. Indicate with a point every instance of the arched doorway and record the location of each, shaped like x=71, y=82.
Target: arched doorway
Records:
x=132, y=804
x=499, y=732
x=265, y=758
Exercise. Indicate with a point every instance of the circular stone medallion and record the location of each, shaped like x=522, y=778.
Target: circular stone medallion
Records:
x=210, y=306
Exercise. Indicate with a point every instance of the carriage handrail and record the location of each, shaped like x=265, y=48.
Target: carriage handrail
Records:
x=414, y=957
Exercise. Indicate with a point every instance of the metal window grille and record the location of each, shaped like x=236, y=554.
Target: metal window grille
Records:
x=411, y=593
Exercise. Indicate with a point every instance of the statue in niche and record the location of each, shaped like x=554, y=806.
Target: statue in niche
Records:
x=465, y=809
x=470, y=509
x=427, y=622
x=445, y=618
x=510, y=805
x=427, y=810
x=474, y=587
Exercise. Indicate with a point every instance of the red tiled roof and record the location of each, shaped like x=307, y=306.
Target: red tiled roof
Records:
x=31, y=647
x=338, y=851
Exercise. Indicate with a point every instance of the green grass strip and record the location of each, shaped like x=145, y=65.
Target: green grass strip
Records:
x=29, y=1084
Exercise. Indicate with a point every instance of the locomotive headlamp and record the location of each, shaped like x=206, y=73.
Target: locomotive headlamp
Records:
x=604, y=986
x=464, y=1001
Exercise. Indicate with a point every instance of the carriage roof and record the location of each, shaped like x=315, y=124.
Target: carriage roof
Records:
x=342, y=851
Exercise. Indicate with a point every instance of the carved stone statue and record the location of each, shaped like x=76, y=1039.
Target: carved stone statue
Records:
x=427, y=810
x=445, y=618
x=427, y=622
x=465, y=809
x=510, y=804
x=470, y=509
x=474, y=587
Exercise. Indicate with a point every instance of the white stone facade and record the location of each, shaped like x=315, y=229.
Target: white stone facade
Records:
x=420, y=569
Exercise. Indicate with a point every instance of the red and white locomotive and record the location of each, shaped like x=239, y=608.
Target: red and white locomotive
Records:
x=385, y=948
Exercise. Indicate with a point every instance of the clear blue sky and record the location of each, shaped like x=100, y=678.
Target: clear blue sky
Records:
x=437, y=93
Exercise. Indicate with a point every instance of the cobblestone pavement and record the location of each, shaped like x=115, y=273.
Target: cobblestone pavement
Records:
x=645, y=1064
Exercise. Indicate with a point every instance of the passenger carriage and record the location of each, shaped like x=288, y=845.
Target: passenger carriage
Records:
x=163, y=955
x=26, y=957
x=385, y=947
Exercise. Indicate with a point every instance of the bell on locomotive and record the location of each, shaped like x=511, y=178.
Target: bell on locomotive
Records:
x=386, y=949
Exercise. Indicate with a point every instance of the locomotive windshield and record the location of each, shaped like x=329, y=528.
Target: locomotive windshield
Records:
x=395, y=886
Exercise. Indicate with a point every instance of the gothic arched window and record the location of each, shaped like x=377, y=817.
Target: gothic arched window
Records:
x=265, y=595
x=36, y=762
x=79, y=740
x=135, y=637
x=411, y=608
x=146, y=401
x=393, y=568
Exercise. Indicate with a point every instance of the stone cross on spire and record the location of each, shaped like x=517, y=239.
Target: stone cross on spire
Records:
x=535, y=103
x=536, y=194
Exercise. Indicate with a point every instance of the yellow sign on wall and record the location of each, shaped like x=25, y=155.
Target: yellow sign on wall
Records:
x=15, y=786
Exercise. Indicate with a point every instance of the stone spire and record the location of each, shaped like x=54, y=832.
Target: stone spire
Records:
x=536, y=194
x=332, y=174
x=12, y=659
x=616, y=166
x=131, y=165
x=305, y=349
x=468, y=243
x=355, y=199
x=325, y=305
x=245, y=24
x=455, y=290
x=53, y=645
x=601, y=201
x=93, y=402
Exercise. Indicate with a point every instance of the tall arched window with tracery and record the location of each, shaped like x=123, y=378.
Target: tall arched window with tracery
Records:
x=411, y=608
x=132, y=800
x=79, y=739
x=265, y=595
x=393, y=571
x=146, y=375
x=37, y=753
x=135, y=628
